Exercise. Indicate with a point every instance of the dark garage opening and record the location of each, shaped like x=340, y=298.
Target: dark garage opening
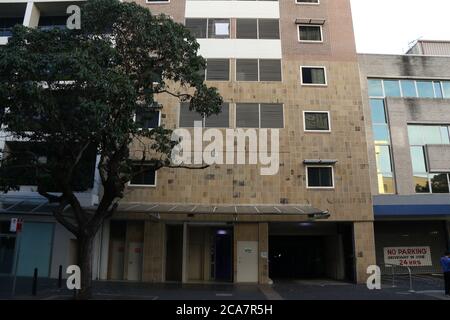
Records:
x=311, y=251
x=297, y=257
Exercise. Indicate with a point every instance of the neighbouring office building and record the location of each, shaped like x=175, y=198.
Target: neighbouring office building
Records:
x=407, y=112
x=287, y=65
x=44, y=244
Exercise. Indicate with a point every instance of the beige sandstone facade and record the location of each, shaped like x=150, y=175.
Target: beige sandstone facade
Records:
x=349, y=202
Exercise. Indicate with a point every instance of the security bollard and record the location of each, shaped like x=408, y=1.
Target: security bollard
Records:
x=35, y=278
x=60, y=277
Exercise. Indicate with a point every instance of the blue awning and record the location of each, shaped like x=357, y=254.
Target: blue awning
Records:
x=411, y=210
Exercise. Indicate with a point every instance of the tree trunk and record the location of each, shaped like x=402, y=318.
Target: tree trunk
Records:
x=85, y=248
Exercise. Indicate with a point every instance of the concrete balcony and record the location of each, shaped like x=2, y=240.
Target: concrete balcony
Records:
x=11, y=14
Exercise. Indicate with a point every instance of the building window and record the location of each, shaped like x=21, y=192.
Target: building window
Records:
x=189, y=117
x=316, y=121
x=143, y=175
x=258, y=70
x=217, y=70
x=219, y=28
x=382, y=141
x=247, y=69
x=419, y=137
x=247, y=28
x=7, y=24
x=425, y=89
x=209, y=28
x=52, y=22
x=307, y=1
x=148, y=119
x=268, y=29
x=446, y=89
x=409, y=89
x=270, y=70
x=320, y=177
x=198, y=27
x=259, y=115
x=392, y=88
x=375, y=88
x=257, y=29
x=385, y=176
x=221, y=120
x=21, y=158
x=310, y=33
x=382, y=88
x=313, y=76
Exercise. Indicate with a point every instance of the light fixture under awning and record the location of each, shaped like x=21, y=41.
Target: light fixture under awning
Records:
x=313, y=21
x=320, y=161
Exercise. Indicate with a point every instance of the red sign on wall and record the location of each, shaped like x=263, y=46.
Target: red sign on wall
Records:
x=16, y=225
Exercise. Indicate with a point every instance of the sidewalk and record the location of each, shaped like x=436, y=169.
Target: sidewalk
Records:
x=426, y=288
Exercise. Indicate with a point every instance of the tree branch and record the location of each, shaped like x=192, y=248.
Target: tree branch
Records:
x=179, y=95
x=189, y=167
x=50, y=197
x=58, y=213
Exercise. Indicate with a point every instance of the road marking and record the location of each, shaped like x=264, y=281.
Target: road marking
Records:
x=224, y=294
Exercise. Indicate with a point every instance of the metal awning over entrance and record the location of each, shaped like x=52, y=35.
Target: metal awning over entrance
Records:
x=43, y=207
x=26, y=206
x=167, y=208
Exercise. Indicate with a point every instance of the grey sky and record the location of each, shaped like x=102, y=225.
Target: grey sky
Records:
x=387, y=26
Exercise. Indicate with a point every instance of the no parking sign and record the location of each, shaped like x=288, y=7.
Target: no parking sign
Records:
x=16, y=225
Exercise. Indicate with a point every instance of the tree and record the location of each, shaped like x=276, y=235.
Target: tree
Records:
x=72, y=95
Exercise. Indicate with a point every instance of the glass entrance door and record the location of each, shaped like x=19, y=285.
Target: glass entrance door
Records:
x=223, y=254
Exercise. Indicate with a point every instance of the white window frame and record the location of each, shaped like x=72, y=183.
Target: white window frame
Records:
x=317, y=131
x=145, y=185
x=314, y=84
x=157, y=2
x=159, y=120
x=207, y=27
x=319, y=166
x=299, y=2
x=309, y=25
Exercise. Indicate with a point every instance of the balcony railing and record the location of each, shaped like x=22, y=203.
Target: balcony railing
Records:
x=5, y=32
x=53, y=22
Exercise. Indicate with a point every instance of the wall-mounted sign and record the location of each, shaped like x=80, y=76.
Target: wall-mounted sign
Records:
x=15, y=225
x=408, y=256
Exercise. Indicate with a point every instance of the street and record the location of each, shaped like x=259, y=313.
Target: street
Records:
x=425, y=288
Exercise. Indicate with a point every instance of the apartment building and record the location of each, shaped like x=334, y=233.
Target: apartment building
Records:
x=286, y=65
x=44, y=244
x=406, y=103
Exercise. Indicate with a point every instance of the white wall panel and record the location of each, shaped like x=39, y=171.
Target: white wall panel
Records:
x=232, y=9
x=240, y=48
